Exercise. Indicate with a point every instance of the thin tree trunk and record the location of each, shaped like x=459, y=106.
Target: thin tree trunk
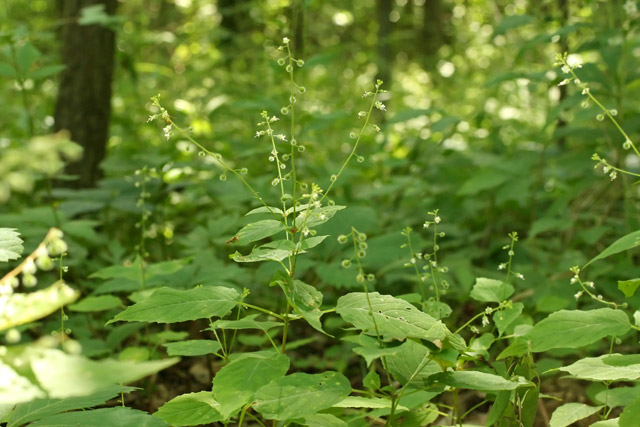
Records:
x=84, y=98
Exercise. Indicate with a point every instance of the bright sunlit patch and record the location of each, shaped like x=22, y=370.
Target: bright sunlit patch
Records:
x=343, y=18
x=446, y=68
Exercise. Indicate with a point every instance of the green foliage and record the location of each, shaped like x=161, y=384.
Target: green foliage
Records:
x=313, y=271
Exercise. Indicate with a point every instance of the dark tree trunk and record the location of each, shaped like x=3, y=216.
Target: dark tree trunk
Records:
x=84, y=98
x=433, y=31
x=385, y=54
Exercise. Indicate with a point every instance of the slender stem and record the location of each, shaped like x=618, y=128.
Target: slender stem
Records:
x=355, y=145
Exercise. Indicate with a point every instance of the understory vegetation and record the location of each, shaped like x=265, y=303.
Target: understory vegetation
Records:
x=394, y=213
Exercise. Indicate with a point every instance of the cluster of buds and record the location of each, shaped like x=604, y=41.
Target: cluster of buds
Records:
x=41, y=258
x=360, y=251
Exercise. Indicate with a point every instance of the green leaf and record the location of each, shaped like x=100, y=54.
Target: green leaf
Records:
x=412, y=362
x=367, y=402
x=578, y=328
x=324, y=420
x=504, y=318
x=371, y=349
x=490, y=290
x=395, y=318
x=7, y=70
x=15, y=388
x=306, y=301
x=628, y=287
x=483, y=180
x=190, y=409
x=630, y=415
x=315, y=217
x=530, y=407
x=627, y=242
x=26, y=56
x=475, y=380
x=257, y=231
x=611, y=422
x=499, y=406
x=47, y=71
x=96, y=303
x=569, y=413
x=272, y=251
x=21, y=308
x=63, y=375
x=40, y=408
x=247, y=322
x=605, y=368
x=300, y=395
x=618, y=396
x=118, y=416
x=237, y=383
x=10, y=244
x=264, y=209
x=167, y=305
x=192, y=347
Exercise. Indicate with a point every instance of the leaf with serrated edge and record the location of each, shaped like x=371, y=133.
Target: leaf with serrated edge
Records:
x=395, y=318
x=168, y=305
x=236, y=384
x=579, y=328
x=10, y=244
x=190, y=409
x=299, y=395
x=569, y=413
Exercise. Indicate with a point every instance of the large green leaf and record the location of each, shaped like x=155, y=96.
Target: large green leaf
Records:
x=63, y=375
x=192, y=347
x=10, y=244
x=569, y=413
x=315, y=217
x=627, y=242
x=630, y=415
x=190, y=409
x=26, y=56
x=605, y=368
x=305, y=300
x=257, y=231
x=272, y=251
x=490, y=290
x=21, y=308
x=412, y=364
x=40, y=408
x=300, y=395
x=236, y=384
x=576, y=328
x=475, y=380
x=118, y=416
x=628, y=287
x=394, y=318
x=167, y=305
x=371, y=349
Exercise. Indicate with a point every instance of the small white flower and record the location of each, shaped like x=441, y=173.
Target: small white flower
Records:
x=502, y=266
x=578, y=295
x=361, y=114
x=437, y=220
x=564, y=82
x=485, y=321
x=565, y=69
x=520, y=276
x=630, y=7
x=573, y=280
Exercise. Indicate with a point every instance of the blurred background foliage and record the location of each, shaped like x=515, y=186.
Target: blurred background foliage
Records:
x=475, y=126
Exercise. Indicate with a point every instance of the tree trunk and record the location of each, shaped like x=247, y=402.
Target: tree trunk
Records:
x=385, y=54
x=84, y=98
